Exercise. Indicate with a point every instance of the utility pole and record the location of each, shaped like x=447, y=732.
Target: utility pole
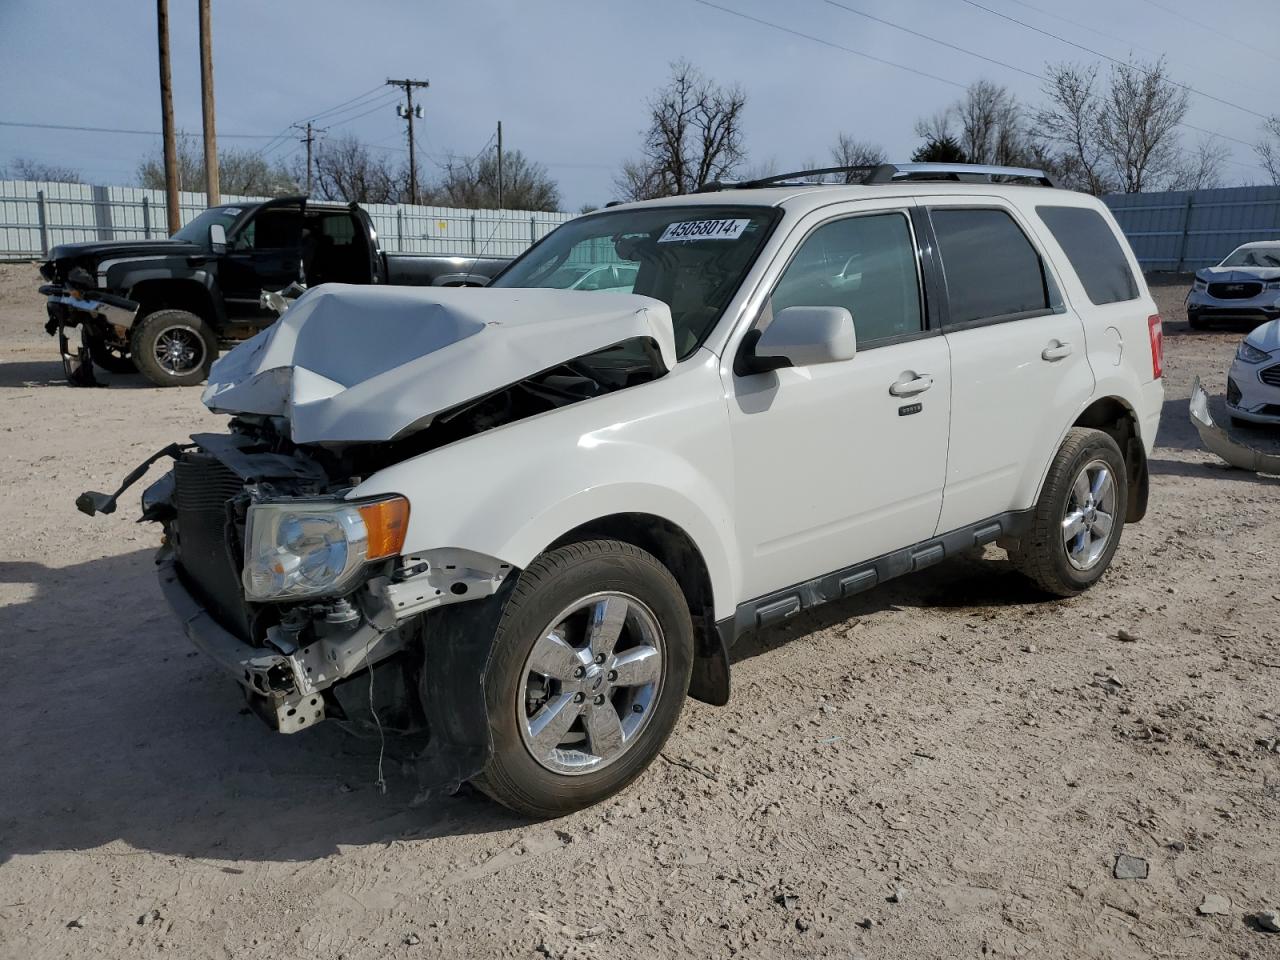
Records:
x=308, y=137
x=166, y=120
x=499, y=164
x=212, y=190
x=408, y=112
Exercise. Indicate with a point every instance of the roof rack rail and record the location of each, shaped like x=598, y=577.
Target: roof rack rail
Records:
x=889, y=173
x=979, y=172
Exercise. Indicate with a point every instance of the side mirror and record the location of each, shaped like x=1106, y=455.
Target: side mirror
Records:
x=801, y=337
x=218, y=238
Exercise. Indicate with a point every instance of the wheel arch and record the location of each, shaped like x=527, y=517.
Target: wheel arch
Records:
x=680, y=554
x=169, y=293
x=1116, y=418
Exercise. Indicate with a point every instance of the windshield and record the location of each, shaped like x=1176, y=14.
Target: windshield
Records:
x=691, y=258
x=1254, y=257
x=197, y=231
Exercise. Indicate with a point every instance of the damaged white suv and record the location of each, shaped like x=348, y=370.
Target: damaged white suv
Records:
x=529, y=521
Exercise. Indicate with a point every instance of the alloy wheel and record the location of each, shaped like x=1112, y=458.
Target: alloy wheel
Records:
x=179, y=350
x=590, y=683
x=1090, y=515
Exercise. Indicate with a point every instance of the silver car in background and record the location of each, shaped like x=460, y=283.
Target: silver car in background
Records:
x=1243, y=287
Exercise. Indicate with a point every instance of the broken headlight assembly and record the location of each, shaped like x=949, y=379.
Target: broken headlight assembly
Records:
x=1248, y=353
x=310, y=548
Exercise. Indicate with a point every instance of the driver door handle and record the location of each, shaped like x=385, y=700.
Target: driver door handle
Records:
x=1056, y=350
x=910, y=384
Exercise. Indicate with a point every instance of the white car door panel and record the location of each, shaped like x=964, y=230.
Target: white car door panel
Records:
x=841, y=462
x=1011, y=379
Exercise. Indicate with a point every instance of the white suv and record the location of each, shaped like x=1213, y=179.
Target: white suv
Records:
x=531, y=521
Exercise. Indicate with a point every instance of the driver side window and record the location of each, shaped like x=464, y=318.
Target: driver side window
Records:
x=866, y=264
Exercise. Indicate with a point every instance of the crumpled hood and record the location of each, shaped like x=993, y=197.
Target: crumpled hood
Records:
x=365, y=363
x=1237, y=274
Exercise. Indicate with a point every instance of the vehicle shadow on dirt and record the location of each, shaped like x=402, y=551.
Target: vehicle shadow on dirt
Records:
x=116, y=729
x=49, y=373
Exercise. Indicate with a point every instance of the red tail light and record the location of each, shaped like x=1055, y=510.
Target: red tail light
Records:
x=1156, y=330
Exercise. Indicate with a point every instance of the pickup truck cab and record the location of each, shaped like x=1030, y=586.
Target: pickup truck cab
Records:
x=530, y=520
x=163, y=307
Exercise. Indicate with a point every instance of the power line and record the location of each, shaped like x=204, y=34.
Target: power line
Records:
x=828, y=43
x=944, y=43
x=139, y=133
x=952, y=83
x=1097, y=53
x=337, y=107
x=1205, y=26
x=1106, y=36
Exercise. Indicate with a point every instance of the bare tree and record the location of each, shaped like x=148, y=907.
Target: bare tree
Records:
x=473, y=183
x=991, y=124
x=940, y=149
x=1138, y=125
x=241, y=172
x=25, y=168
x=1268, y=148
x=1199, y=168
x=849, y=152
x=345, y=169
x=1069, y=126
x=694, y=135
x=986, y=125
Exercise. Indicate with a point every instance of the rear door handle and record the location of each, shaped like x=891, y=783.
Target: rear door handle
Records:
x=1056, y=350
x=909, y=384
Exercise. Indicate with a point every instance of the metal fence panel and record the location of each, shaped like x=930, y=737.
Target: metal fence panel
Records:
x=1188, y=229
x=35, y=217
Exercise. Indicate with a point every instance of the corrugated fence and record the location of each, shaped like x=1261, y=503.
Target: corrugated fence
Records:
x=1184, y=230
x=34, y=217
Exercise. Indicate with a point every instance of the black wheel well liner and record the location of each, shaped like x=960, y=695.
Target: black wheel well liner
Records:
x=1116, y=418
x=175, y=294
x=680, y=555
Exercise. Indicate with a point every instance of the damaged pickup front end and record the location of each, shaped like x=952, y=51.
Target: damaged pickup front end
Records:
x=313, y=599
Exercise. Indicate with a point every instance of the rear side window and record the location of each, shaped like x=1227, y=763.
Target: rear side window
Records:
x=992, y=270
x=1095, y=254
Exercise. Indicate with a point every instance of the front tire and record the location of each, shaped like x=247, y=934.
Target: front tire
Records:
x=589, y=671
x=114, y=357
x=1079, y=517
x=173, y=348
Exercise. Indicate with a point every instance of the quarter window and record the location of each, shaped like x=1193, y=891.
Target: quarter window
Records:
x=865, y=264
x=1095, y=254
x=992, y=269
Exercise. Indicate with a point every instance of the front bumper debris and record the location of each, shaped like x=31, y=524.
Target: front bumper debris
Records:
x=1219, y=442
x=97, y=313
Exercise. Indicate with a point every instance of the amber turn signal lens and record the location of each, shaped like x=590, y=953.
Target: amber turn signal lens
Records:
x=387, y=521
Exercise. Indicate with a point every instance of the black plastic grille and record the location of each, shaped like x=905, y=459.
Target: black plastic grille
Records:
x=207, y=544
x=1271, y=375
x=1235, y=291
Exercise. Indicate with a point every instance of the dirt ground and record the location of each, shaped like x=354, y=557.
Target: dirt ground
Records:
x=951, y=736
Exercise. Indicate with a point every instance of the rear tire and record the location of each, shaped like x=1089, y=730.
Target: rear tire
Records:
x=538, y=771
x=173, y=348
x=1079, y=517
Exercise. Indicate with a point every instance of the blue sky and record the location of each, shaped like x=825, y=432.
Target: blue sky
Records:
x=569, y=78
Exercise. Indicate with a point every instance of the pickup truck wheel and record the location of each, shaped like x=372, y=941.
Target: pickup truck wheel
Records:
x=112, y=357
x=173, y=348
x=1079, y=516
x=590, y=669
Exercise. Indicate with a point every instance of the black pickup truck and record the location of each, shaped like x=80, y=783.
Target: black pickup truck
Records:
x=165, y=307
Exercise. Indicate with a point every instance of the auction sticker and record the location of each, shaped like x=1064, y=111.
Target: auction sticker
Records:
x=704, y=230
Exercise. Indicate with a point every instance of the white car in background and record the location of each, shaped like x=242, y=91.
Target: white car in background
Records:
x=1253, y=383
x=1244, y=286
